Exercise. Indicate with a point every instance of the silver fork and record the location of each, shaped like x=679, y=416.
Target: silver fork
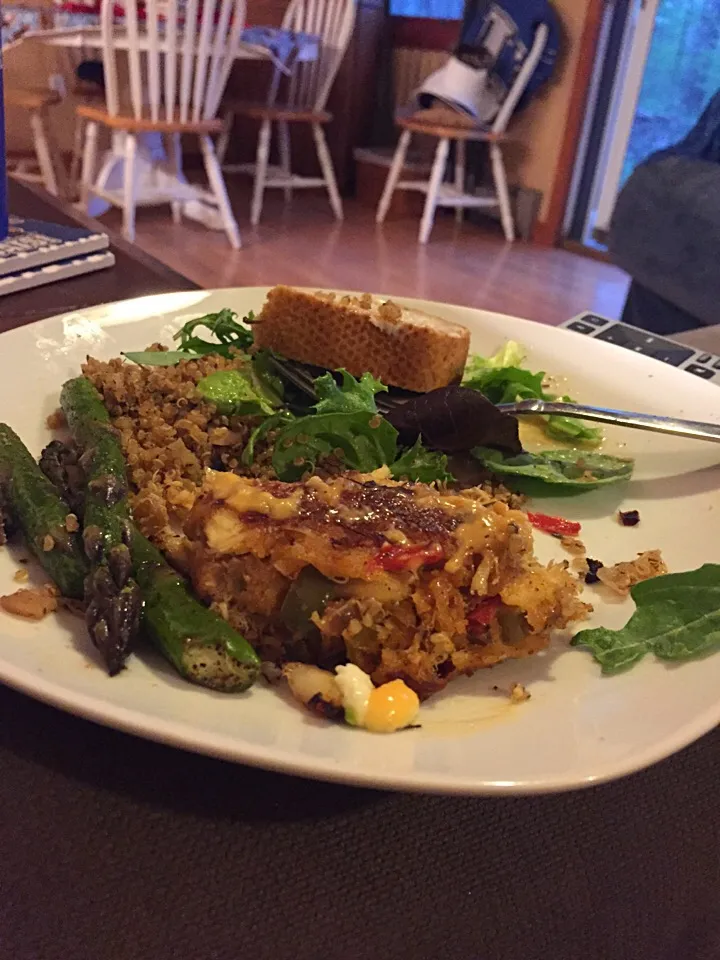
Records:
x=695, y=429
x=302, y=378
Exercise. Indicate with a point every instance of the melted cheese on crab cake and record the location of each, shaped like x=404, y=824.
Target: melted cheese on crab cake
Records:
x=403, y=580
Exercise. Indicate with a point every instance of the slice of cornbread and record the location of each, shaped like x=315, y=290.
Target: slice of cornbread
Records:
x=401, y=346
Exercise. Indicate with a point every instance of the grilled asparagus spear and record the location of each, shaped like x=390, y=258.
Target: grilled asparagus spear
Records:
x=42, y=515
x=113, y=598
x=198, y=642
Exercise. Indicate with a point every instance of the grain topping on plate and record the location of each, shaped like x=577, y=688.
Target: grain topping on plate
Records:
x=621, y=576
x=31, y=603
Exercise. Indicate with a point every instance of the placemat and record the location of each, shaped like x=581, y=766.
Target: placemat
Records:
x=114, y=848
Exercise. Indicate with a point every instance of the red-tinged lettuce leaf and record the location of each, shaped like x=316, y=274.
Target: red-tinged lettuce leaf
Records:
x=453, y=419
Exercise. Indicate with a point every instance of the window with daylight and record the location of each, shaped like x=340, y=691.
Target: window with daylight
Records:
x=430, y=9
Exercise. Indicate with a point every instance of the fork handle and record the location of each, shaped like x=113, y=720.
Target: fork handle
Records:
x=622, y=418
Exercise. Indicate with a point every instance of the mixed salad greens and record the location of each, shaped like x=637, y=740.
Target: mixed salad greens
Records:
x=414, y=439
x=502, y=379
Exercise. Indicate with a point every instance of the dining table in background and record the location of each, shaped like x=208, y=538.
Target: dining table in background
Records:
x=117, y=848
x=156, y=177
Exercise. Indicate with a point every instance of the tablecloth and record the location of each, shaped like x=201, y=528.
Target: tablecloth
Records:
x=121, y=849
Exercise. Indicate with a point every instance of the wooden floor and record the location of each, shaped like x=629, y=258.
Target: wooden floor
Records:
x=302, y=244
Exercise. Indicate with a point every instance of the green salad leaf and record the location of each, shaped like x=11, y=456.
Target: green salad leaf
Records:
x=363, y=440
x=157, y=358
x=239, y=393
x=567, y=468
x=345, y=423
x=223, y=325
x=507, y=384
x=275, y=422
x=422, y=465
x=677, y=617
x=502, y=379
x=511, y=354
x=571, y=429
x=350, y=396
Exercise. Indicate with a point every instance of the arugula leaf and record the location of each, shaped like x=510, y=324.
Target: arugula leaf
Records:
x=276, y=420
x=157, y=358
x=345, y=423
x=223, y=326
x=348, y=397
x=235, y=392
x=677, y=617
x=566, y=468
x=364, y=440
x=418, y=463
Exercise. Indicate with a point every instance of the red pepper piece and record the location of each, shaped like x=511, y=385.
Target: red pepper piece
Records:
x=394, y=558
x=555, y=525
x=484, y=613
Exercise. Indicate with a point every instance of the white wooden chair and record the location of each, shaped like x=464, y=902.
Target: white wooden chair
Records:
x=449, y=125
x=178, y=62
x=37, y=103
x=308, y=90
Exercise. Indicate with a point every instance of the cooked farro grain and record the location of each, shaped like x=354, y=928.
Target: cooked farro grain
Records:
x=170, y=434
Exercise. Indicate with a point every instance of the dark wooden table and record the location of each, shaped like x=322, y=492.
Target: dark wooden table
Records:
x=115, y=848
x=135, y=274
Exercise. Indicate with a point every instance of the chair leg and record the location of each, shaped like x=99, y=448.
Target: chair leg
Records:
x=261, y=165
x=436, y=176
x=224, y=138
x=459, y=176
x=77, y=151
x=129, y=186
x=327, y=169
x=393, y=176
x=503, y=195
x=285, y=164
x=89, y=163
x=173, y=148
x=217, y=185
x=42, y=152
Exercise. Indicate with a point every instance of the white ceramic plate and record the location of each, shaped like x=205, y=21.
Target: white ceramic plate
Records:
x=579, y=728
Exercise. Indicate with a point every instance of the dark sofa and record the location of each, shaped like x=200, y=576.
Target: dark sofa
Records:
x=665, y=233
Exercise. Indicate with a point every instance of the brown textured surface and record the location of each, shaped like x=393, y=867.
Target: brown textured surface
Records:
x=120, y=849
x=305, y=327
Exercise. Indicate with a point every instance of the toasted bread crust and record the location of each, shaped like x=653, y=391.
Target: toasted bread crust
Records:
x=403, y=348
